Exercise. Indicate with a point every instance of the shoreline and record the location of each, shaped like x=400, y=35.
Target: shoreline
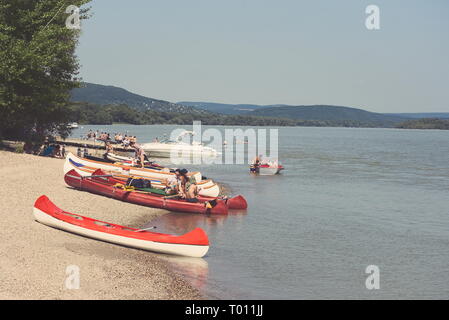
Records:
x=35, y=257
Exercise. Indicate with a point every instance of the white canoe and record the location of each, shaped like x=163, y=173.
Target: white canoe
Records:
x=192, y=244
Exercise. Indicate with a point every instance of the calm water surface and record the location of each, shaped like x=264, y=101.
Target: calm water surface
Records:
x=348, y=198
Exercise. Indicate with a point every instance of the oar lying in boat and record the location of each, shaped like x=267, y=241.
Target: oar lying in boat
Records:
x=146, y=229
x=97, y=176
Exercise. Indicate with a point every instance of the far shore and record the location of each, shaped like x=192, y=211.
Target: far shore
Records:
x=35, y=256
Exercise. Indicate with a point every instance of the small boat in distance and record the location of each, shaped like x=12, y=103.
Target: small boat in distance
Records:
x=266, y=170
x=265, y=167
x=73, y=125
x=192, y=244
x=166, y=148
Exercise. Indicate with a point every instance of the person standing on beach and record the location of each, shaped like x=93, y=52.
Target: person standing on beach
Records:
x=109, y=149
x=140, y=153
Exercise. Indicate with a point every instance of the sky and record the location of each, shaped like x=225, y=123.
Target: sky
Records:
x=272, y=52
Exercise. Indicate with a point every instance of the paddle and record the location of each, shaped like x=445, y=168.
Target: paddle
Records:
x=140, y=230
x=99, y=176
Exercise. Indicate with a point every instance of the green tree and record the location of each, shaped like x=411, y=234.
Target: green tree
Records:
x=38, y=67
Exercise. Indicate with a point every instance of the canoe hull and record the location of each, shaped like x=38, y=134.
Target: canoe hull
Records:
x=97, y=186
x=184, y=249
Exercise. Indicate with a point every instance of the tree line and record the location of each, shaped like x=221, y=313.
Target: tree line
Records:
x=426, y=123
x=88, y=113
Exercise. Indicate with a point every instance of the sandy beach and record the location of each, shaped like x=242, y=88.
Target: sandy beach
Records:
x=34, y=257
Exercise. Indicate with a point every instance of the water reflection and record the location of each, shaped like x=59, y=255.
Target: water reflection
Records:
x=195, y=270
x=176, y=223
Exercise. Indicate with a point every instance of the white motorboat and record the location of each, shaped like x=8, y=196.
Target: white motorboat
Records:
x=168, y=148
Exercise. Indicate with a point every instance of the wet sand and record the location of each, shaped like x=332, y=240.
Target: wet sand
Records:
x=34, y=257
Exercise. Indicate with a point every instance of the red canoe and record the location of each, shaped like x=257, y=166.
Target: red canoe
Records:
x=234, y=203
x=106, y=186
x=192, y=244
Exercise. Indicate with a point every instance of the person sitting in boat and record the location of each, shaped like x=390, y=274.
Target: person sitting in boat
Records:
x=188, y=186
x=172, y=184
x=255, y=164
x=140, y=153
x=257, y=161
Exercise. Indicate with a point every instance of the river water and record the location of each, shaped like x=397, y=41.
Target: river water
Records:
x=349, y=198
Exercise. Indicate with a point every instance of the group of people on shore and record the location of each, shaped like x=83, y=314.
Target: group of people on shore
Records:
x=53, y=150
x=119, y=138
x=124, y=140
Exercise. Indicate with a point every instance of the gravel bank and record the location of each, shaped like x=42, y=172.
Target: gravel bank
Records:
x=34, y=257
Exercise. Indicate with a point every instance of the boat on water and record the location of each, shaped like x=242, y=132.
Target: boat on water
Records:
x=85, y=167
x=73, y=125
x=191, y=244
x=106, y=185
x=266, y=169
x=168, y=148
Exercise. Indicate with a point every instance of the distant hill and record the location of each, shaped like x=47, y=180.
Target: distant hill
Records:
x=433, y=115
x=224, y=108
x=110, y=95
x=315, y=115
x=329, y=113
x=314, y=112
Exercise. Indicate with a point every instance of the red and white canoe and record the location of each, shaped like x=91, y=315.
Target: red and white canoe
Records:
x=106, y=186
x=191, y=244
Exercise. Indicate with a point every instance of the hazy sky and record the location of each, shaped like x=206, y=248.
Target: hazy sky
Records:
x=269, y=52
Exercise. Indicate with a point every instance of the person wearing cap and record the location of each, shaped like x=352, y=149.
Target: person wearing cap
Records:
x=188, y=185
